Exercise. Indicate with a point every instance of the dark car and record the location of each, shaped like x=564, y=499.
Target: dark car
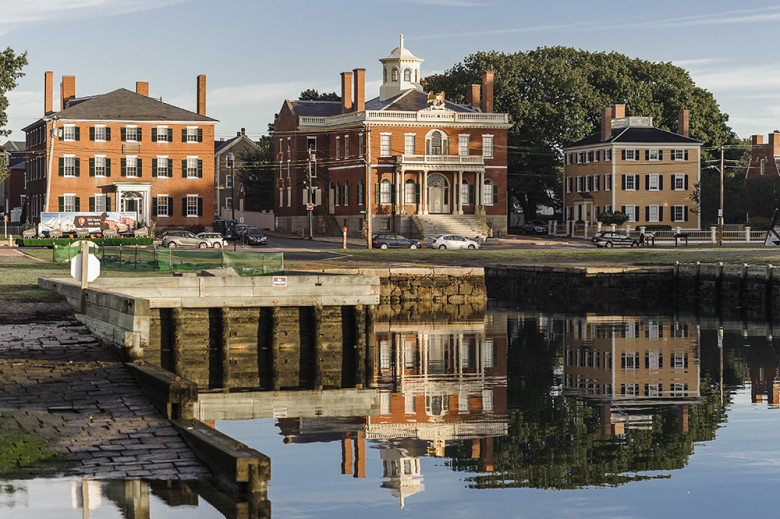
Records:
x=253, y=236
x=612, y=238
x=535, y=227
x=393, y=241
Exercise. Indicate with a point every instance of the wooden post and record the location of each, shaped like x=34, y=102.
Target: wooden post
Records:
x=224, y=348
x=360, y=346
x=275, y=348
x=177, y=345
x=319, y=348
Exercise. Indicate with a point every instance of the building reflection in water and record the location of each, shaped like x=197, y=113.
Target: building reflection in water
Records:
x=631, y=368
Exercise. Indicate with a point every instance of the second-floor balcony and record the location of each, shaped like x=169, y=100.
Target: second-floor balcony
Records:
x=440, y=160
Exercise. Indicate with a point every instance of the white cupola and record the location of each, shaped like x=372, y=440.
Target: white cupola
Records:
x=400, y=72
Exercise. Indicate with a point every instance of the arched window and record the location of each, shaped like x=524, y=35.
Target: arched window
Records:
x=436, y=143
x=407, y=74
x=411, y=192
x=466, y=193
x=385, y=192
x=489, y=193
x=395, y=74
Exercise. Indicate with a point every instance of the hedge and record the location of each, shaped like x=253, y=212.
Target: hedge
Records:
x=64, y=242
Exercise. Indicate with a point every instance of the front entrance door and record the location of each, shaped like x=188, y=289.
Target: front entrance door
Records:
x=438, y=194
x=133, y=201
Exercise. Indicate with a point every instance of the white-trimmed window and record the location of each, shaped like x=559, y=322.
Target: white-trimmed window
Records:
x=607, y=182
x=160, y=134
x=192, y=134
x=69, y=202
x=229, y=203
x=629, y=389
x=338, y=148
x=653, y=154
x=100, y=133
x=653, y=390
x=192, y=206
x=163, y=205
x=463, y=145
x=607, y=155
x=678, y=390
x=629, y=360
x=607, y=208
x=679, y=182
x=678, y=213
x=630, y=154
x=163, y=171
x=131, y=133
x=100, y=203
x=579, y=184
x=436, y=143
x=384, y=145
x=568, y=184
x=631, y=212
x=228, y=180
x=679, y=360
x=487, y=146
x=69, y=132
x=192, y=167
x=410, y=192
x=653, y=213
x=131, y=166
x=579, y=158
x=653, y=182
x=69, y=166
x=489, y=193
x=100, y=165
x=346, y=146
x=385, y=192
x=630, y=182
x=678, y=154
x=596, y=182
x=465, y=193
x=409, y=144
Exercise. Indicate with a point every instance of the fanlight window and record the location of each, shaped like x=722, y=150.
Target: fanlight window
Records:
x=436, y=143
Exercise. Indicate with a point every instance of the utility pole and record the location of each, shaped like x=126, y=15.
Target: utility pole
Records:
x=310, y=204
x=367, y=144
x=720, y=211
x=231, y=160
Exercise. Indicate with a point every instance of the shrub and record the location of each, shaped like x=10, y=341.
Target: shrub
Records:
x=608, y=218
x=758, y=223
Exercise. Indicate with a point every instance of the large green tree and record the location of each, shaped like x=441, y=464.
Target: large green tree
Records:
x=555, y=95
x=256, y=173
x=10, y=71
x=311, y=94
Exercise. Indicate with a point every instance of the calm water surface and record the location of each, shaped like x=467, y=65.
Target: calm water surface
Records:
x=515, y=415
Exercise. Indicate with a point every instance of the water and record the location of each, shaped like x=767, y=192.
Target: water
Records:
x=515, y=415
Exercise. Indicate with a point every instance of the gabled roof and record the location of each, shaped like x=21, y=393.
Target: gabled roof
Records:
x=633, y=135
x=124, y=105
x=14, y=146
x=221, y=146
x=408, y=101
x=315, y=108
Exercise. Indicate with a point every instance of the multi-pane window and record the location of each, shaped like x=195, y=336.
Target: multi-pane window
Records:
x=596, y=182
x=465, y=193
x=192, y=205
x=463, y=145
x=487, y=146
x=653, y=360
x=629, y=389
x=410, y=192
x=489, y=193
x=678, y=154
x=338, y=148
x=653, y=155
x=678, y=390
x=436, y=144
x=607, y=155
x=632, y=212
x=163, y=204
x=346, y=191
x=653, y=182
x=653, y=390
x=631, y=154
x=607, y=182
x=361, y=193
x=409, y=144
x=192, y=167
x=579, y=184
x=679, y=182
x=101, y=203
x=162, y=134
x=69, y=132
x=384, y=145
x=163, y=171
x=69, y=169
x=100, y=165
x=361, y=144
x=192, y=134
x=679, y=360
x=629, y=360
x=100, y=133
x=69, y=203
x=131, y=166
x=653, y=213
x=131, y=134
x=678, y=213
x=229, y=203
x=385, y=192
x=630, y=182
x=228, y=180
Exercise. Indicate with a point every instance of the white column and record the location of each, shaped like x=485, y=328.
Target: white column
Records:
x=400, y=190
x=460, y=195
x=424, y=193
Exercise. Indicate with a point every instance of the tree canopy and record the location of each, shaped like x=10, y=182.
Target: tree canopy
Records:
x=10, y=71
x=311, y=94
x=554, y=96
x=255, y=171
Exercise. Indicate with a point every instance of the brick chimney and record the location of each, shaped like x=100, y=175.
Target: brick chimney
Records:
x=142, y=87
x=606, y=124
x=618, y=111
x=202, y=94
x=474, y=95
x=48, y=91
x=487, y=92
x=683, y=122
x=360, y=90
x=774, y=143
x=757, y=140
x=346, y=92
x=67, y=90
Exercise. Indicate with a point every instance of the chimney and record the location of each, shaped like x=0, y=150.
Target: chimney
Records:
x=757, y=140
x=618, y=111
x=142, y=87
x=48, y=91
x=360, y=90
x=774, y=143
x=606, y=123
x=474, y=96
x=202, y=94
x=67, y=90
x=243, y=131
x=346, y=92
x=683, y=122
x=487, y=92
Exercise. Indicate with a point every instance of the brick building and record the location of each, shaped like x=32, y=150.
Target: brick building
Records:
x=764, y=157
x=644, y=172
x=122, y=151
x=408, y=159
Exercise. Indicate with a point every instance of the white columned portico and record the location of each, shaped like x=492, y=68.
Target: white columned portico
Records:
x=134, y=196
x=425, y=191
x=458, y=191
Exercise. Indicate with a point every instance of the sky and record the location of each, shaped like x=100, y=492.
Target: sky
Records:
x=257, y=53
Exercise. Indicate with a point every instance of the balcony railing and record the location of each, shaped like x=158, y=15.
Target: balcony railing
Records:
x=398, y=116
x=471, y=160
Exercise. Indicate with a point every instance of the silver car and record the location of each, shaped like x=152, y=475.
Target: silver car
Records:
x=173, y=239
x=211, y=239
x=452, y=241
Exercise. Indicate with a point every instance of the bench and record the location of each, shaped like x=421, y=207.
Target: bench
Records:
x=680, y=236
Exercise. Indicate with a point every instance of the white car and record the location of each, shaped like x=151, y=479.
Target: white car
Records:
x=452, y=241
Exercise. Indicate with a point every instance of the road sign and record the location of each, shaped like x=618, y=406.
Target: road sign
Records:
x=93, y=267
x=309, y=206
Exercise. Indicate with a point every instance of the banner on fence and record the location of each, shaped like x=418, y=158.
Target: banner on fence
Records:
x=94, y=222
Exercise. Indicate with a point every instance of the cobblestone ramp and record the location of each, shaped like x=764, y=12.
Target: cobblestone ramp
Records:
x=56, y=380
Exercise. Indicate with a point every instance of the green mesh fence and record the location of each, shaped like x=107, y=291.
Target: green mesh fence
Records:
x=178, y=260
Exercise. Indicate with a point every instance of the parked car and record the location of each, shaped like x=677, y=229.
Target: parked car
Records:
x=612, y=238
x=535, y=227
x=173, y=239
x=213, y=239
x=393, y=241
x=253, y=236
x=452, y=241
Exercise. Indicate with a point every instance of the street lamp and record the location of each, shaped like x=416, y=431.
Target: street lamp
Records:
x=231, y=160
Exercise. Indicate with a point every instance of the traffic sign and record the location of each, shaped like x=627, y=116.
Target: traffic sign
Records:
x=309, y=206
